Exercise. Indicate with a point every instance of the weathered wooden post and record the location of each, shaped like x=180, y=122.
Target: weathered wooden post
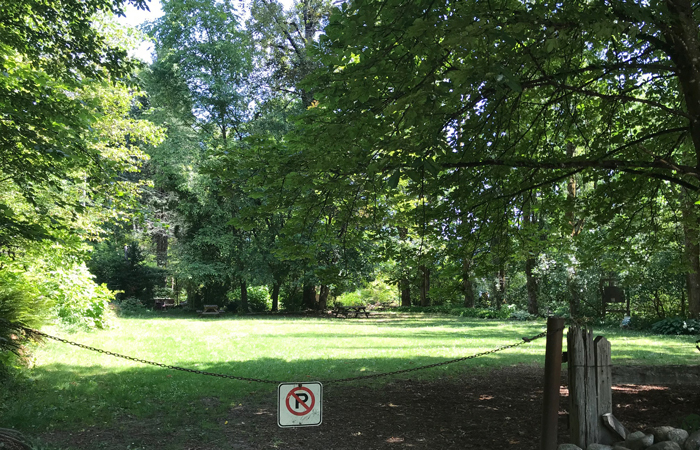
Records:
x=603, y=378
x=552, y=382
x=590, y=387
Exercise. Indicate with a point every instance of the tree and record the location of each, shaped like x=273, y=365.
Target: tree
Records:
x=199, y=41
x=287, y=38
x=49, y=51
x=504, y=92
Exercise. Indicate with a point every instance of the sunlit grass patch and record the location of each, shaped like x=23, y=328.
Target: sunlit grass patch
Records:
x=73, y=387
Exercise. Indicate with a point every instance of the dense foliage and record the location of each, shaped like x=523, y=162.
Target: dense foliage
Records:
x=69, y=143
x=488, y=159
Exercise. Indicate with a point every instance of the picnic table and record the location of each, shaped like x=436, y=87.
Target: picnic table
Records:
x=347, y=310
x=163, y=303
x=210, y=310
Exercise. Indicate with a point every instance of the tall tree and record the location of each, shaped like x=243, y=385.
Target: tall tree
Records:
x=504, y=91
x=48, y=51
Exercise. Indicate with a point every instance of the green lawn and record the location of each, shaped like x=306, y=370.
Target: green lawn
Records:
x=71, y=388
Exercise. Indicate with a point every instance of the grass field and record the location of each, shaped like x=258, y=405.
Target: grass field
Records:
x=73, y=388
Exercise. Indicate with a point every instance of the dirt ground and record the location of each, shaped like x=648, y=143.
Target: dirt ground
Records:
x=497, y=410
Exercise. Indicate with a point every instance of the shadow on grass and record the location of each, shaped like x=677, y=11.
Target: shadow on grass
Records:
x=63, y=396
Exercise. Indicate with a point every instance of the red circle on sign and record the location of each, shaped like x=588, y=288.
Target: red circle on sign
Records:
x=307, y=407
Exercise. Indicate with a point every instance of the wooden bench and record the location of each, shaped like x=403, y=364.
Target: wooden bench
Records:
x=360, y=310
x=340, y=310
x=210, y=310
x=163, y=304
x=346, y=311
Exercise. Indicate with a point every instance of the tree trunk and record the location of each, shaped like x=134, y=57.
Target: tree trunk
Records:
x=425, y=286
x=405, y=287
x=679, y=29
x=276, y=295
x=530, y=222
x=467, y=285
x=572, y=280
x=571, y=193
x=309, y=296
x=161, y=249
x=500, y=288
x=574, y=294
x=323, y=297
x=692, y=258
x=531, y=282
x=244, y=297
x=683, y=300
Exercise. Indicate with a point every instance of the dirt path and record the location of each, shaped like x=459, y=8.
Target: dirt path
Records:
x=499, y=410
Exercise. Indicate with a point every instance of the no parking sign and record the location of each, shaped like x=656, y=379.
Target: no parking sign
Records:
x=299, y=404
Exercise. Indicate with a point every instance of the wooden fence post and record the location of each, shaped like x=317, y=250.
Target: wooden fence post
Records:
x=590, y=387
x=552, y=382
x=603, y=378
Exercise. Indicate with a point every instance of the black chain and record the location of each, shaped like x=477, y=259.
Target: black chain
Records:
x=258, y=380
x=143, y=361
x=444, y=363
x=697, y=344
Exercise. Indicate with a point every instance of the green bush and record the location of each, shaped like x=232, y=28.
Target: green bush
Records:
x=259, y=299
x=21, y=305
x=291, y=299
x=79, y=301
x=440, y=309
x=350, y=299
x=676, y=326
x=130, y=307
x=125, y=270
x=519, y=314
x=378, y=291
x=481, y=313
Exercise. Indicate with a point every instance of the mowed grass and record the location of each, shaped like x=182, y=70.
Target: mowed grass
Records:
x=73, y=388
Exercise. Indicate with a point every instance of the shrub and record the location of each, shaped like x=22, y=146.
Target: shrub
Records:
x=519, y=314
x=443, y=309
x=676, y=326
x=130, y=306
x=291, y=299
x=79, y=301
x=125, y=270
x=378, y=291
x=259, y=299
x=21, y=305
x=481, y=313
x=350, y=299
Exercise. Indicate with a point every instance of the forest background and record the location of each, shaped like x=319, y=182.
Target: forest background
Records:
x=502, y=159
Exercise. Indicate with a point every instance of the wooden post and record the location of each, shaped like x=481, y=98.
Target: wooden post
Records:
x=590, y=387
x=552, y=382
x=603, y=375
x=581, y=396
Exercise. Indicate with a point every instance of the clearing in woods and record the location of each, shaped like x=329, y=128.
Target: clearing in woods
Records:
x=84, y=400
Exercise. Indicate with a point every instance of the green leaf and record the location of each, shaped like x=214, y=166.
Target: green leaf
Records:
x=394, y=179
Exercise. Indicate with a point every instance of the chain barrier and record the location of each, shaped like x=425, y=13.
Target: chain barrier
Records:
x=697, y=344
x=258, y=380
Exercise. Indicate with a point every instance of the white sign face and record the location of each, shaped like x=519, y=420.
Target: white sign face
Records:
x=299, y=404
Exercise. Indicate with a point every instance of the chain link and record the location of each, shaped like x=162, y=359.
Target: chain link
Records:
x=443, y=363
x=258, y=380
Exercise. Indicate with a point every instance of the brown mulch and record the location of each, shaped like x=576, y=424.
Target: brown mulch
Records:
x=497, y=410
